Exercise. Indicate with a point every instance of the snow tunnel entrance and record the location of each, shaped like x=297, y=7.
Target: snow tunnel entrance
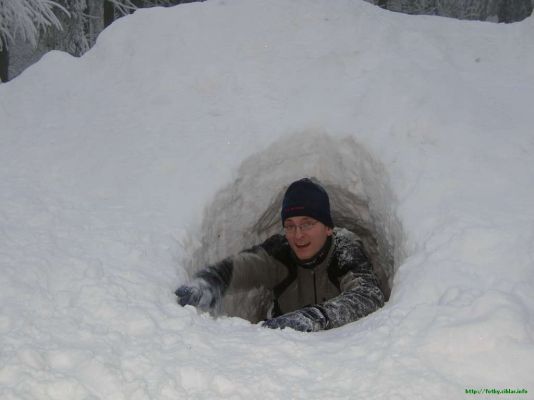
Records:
x=247, y=211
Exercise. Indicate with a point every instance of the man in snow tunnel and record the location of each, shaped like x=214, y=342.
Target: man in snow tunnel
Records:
x=319, y=276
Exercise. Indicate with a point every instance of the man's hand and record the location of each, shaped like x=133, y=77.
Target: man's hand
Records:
x=308, y=319
x=198, y=293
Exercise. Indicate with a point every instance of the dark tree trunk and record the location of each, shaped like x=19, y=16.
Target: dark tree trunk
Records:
x=504, y=12
x=4, y=63
x=382, y=3
x=109, y=13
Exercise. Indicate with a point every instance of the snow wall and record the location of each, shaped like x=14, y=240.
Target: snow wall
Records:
x=116, y=168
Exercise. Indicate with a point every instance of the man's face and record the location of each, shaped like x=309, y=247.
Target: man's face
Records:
x=306, y=236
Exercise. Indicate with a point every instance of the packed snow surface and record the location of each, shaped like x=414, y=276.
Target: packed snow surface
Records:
x=176, y=132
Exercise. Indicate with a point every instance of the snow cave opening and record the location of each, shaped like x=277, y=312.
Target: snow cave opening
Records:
x=247, y=211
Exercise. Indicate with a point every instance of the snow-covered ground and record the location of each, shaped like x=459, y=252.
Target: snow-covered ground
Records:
x=164, y=145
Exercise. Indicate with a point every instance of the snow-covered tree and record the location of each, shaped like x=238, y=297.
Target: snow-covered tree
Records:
x=72, y=25
x=71, y=37
x=87, y=18
x=26, y=18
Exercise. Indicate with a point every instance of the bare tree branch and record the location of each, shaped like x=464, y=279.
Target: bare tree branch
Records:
x=26, y=18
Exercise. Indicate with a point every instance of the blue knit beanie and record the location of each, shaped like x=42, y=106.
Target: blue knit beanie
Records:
x=305, y=198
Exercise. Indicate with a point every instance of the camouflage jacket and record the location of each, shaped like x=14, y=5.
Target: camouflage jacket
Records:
x=342, y=285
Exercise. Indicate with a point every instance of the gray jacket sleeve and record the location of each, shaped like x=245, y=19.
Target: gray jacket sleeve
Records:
x=360, y=291
x=248, y=269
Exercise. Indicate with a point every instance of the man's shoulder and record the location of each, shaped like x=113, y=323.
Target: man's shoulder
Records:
x=275, y=247
x=344, y=237
x=348, y=248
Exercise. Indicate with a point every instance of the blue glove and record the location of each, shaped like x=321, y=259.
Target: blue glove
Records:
x=198, y=293
x=308, y=319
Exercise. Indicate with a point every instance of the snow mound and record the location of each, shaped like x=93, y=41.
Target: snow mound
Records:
x=168, y=145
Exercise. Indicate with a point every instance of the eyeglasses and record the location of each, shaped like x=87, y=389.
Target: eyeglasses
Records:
x=306, y=226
